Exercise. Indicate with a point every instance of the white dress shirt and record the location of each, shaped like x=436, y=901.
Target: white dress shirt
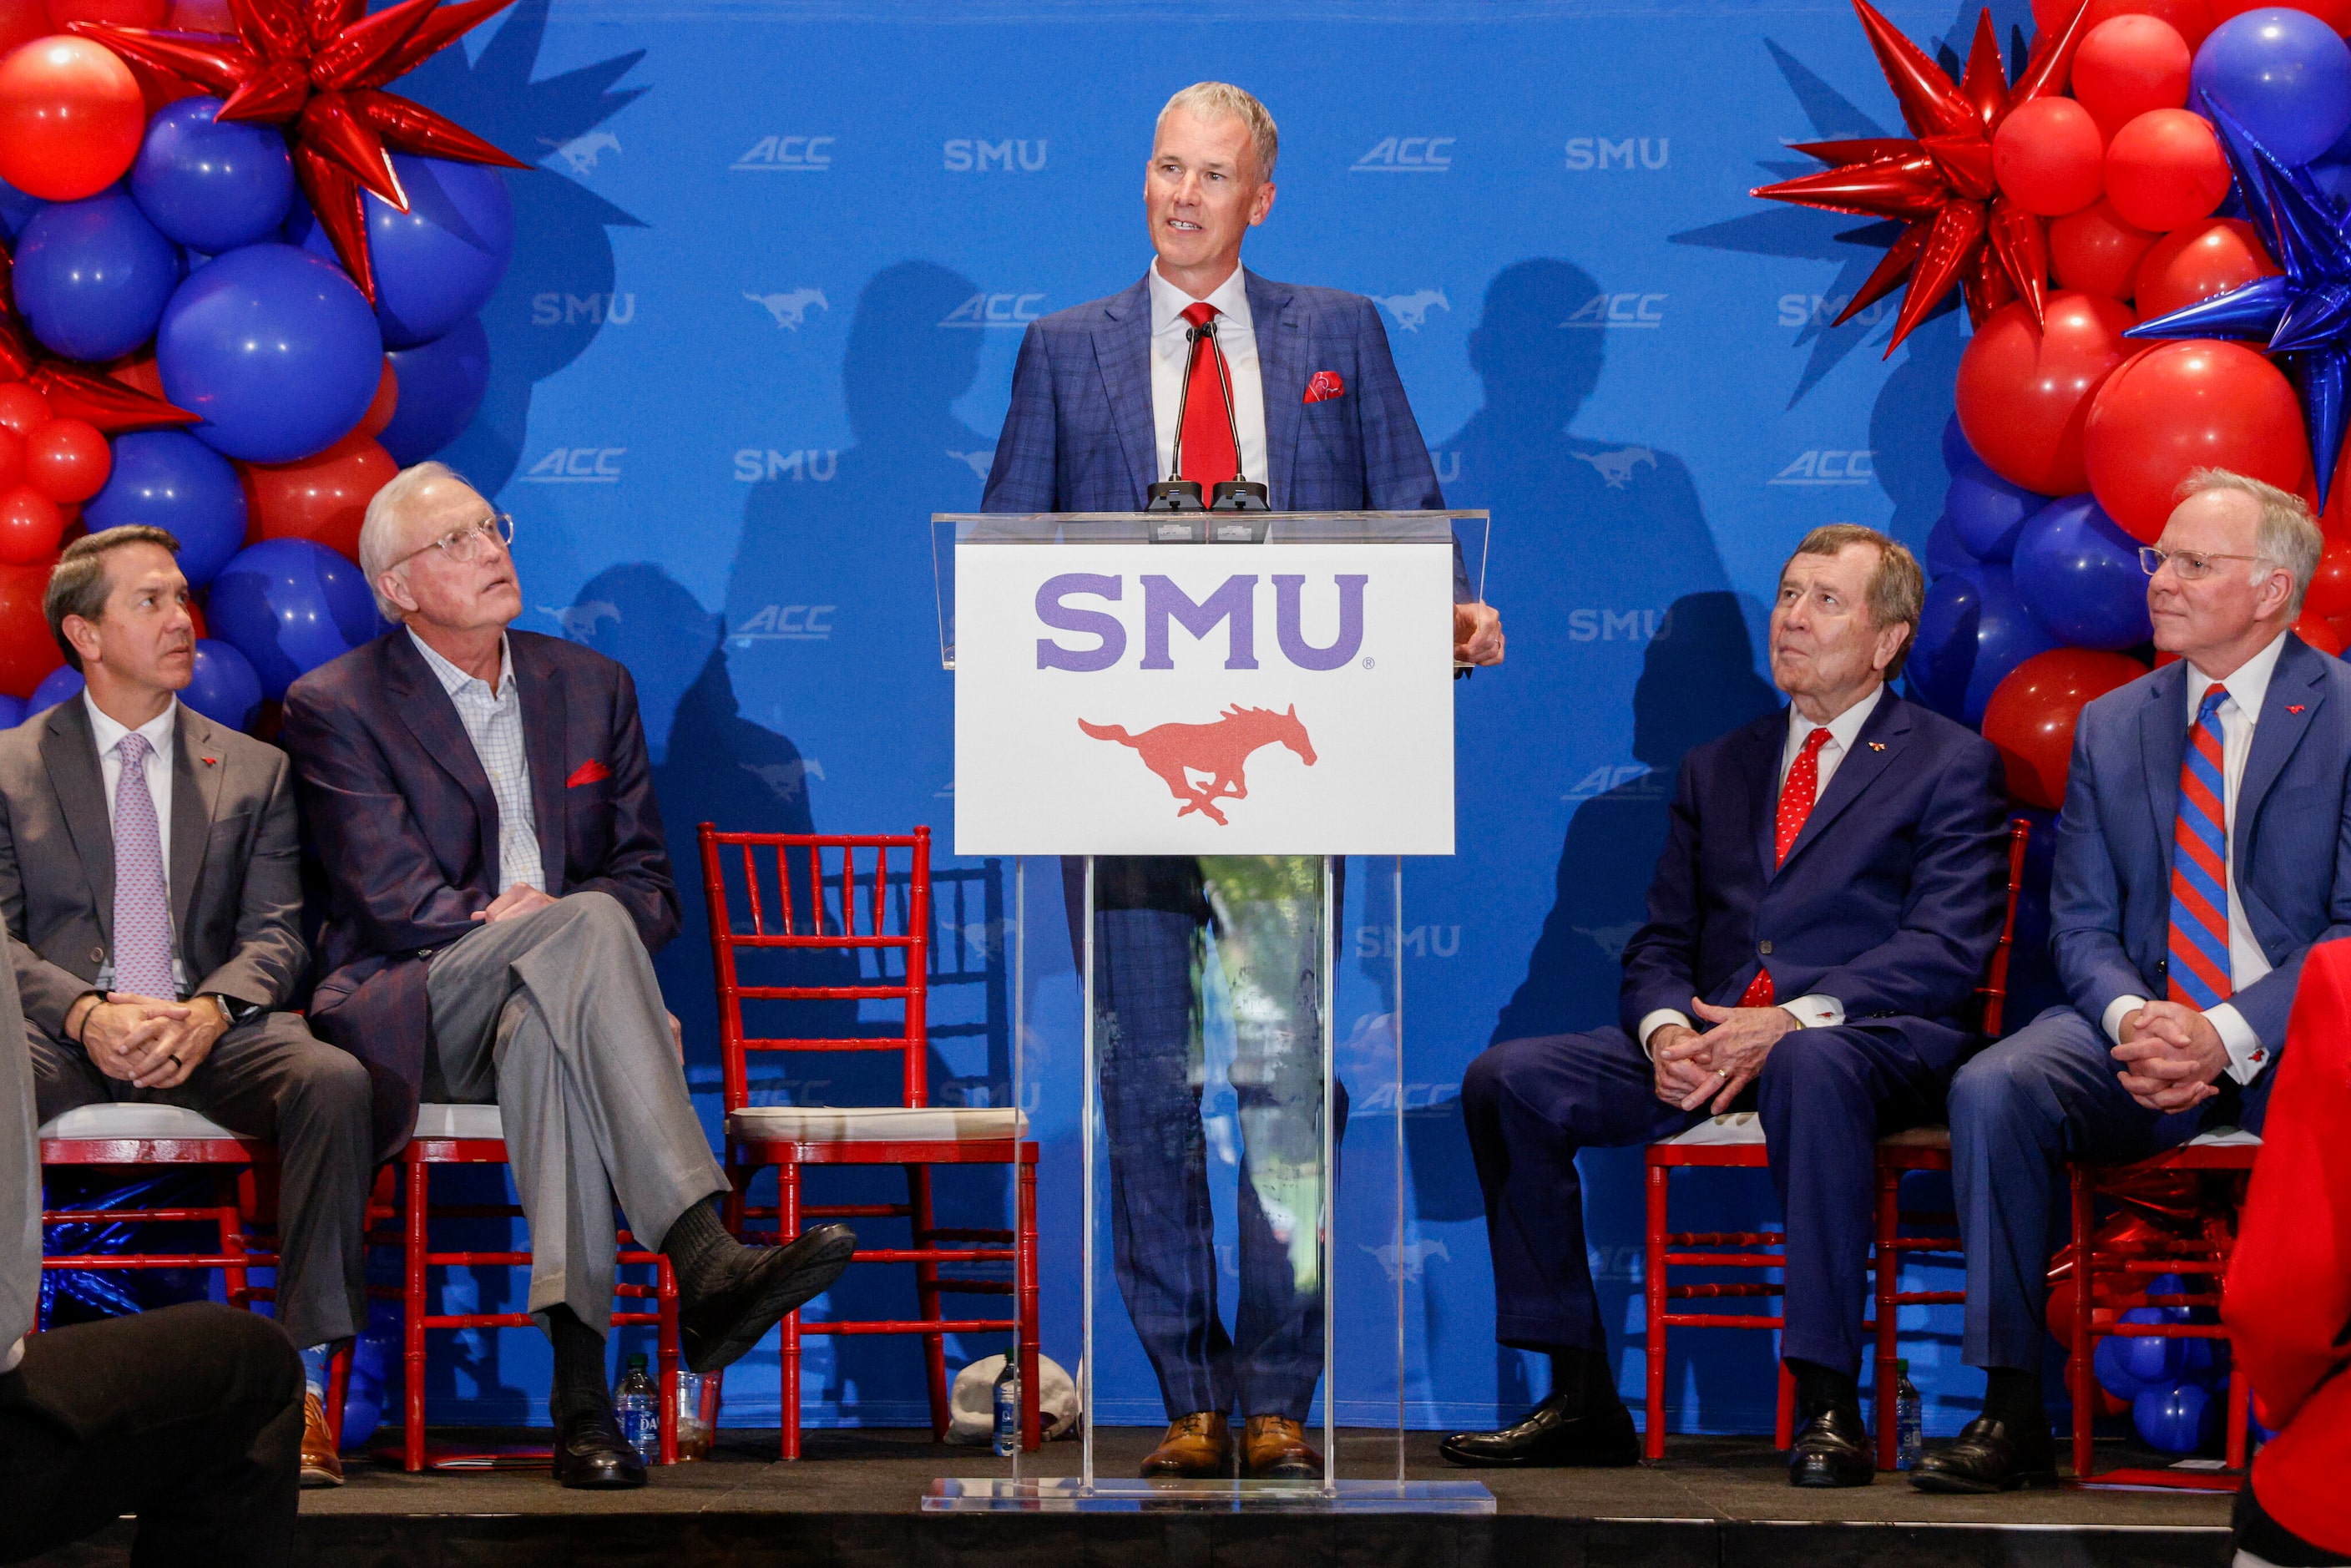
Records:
x=493, y=721
x=1816, y=1010
x=159, y=732
x=1238, y=336
x=2239, y=711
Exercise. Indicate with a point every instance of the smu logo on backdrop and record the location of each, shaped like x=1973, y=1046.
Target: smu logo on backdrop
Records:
x=983, y=310
x=970, y=155
x=791, y=309
x=1612, y=312
x=580, y=153
x=1233, y=605
x=1411, y=310
x=1828, y=465
x=555, y=309
x=578, y=465
x=1822, y=309
x=807, y=464
x=1407, y=155
x=786, y=154
x=1585, y=153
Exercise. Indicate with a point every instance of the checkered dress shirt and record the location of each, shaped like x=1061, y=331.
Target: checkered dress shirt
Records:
x=493, y=720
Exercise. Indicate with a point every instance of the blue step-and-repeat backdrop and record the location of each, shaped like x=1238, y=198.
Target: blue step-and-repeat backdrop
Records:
x=771, y=271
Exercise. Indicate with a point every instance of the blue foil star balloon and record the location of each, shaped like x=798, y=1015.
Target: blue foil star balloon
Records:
x=2305, y=314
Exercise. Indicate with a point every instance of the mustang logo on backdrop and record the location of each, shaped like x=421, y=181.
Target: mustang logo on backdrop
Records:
x=1616, y=467
x=790, y=309
x=1411, y=310
x=1220, y=749
x=580, y=153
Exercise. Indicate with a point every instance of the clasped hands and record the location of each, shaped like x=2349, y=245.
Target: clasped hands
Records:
x=2170, y=1056
x=1720, y=1063
x=146, y=1041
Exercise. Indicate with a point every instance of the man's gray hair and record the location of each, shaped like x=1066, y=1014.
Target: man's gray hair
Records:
x=1215, y=99
x=381, y=541
x=2288, y=536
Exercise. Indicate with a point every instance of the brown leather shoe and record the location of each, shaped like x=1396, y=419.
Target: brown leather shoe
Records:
x=321, y=1466
x=1274, y=1448
x=1197, y=1446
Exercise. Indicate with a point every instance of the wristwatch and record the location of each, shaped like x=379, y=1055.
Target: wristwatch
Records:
x=235, y=1012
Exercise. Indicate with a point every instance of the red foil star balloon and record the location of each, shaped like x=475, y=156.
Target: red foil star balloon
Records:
x=318, y=68
x=1938, y=180
x=72, y=392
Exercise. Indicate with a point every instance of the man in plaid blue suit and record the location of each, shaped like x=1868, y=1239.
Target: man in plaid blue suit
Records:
x=1318, y=415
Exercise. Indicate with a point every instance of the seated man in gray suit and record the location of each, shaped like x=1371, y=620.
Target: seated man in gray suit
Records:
x=150, y=882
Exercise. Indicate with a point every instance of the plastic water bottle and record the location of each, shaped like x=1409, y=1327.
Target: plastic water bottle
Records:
x=1008, y=1408
x=639, y=1409
x=1908, y=1429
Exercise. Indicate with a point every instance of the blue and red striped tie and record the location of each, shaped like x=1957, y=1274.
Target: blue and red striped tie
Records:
x=2200, y=865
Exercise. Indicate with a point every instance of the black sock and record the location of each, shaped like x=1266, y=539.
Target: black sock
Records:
x=1567, y=1380
x=1582, y=1379
x=2013, y=1396
x=699, y=1250
x=1818, y=1387
x=580, y=1370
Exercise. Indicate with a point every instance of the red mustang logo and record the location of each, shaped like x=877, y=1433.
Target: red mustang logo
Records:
x=1176, y=751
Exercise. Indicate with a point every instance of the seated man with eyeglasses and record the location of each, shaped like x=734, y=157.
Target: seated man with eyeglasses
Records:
x=2204, y=849
x=481, y=804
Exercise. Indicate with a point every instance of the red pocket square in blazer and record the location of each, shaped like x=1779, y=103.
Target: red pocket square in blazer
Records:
x=1323, y=386
x=591, y=772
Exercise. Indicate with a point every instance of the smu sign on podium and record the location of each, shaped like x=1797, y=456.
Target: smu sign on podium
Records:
x=1119, y=697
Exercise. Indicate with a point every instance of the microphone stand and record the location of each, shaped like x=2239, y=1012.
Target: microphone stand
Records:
x=1238, y=494
x=1175, y=493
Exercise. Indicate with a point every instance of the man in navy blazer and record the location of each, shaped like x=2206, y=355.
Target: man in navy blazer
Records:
x=2205, y=846
x=1318, y=415
x=1829, y=892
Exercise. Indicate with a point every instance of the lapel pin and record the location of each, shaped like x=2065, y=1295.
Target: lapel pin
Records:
x=211, y=761
x=1877, y=746
x=2295, y=707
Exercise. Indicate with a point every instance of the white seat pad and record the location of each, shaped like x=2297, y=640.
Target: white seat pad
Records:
x=1738, y=1127
x=459, y=1122
x=143, y=1120
x=874, y=1123
x=2226, y=1137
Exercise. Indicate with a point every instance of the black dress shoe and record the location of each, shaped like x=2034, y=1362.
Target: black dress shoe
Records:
x=592, y=1455
x=1832, y=1449
x=1990, y=1456
x=717, y=1328
x=1553, y=1434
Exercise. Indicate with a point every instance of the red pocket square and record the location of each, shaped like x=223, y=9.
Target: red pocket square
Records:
x=591, y=772
x=1325, y=385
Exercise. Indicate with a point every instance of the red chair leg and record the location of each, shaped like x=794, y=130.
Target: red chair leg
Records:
x=788, y=1222
x=412, y=1315
x=1783, y=1412
x=1884, y=1407
x=339, y=1387
x=2085, y=1403
x=665, y=1343
x=926, y=1298
x=2241, y=1396
x=1025, y=1288
x=1653, y=1441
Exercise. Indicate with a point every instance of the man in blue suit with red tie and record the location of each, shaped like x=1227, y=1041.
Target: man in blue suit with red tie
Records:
x=1318, y=415
x=2204, y=849
x=1829, y=894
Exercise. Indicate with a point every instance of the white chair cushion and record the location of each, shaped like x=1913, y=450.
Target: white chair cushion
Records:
x=2226, y=1137
x=459, y=1122
x=132, y=1120
x=874, y=1125
x=1738, y=1127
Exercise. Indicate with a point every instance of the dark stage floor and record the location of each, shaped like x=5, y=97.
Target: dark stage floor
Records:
x=855, y=1499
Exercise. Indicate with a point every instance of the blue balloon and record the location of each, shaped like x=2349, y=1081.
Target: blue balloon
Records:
x=225, y=688
x=16, y=209
x=2283, y=75
x=1945, y=552
x=93, y=276
x=59, y=683
x=289, y=606
x=1986, y=511
x=1973, y=630
x=2177, y=1417
x=169, y=479
x=213, y=185
x=440, y=260
x=276, y=348
x=441, y=388
x=12, y=711
x=2079, y=575
x=1956, y=449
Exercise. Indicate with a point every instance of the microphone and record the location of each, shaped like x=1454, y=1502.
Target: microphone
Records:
x=1238, y=494
x=1175, y=493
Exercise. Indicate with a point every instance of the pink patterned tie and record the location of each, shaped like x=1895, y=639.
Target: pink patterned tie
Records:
x=143, y=910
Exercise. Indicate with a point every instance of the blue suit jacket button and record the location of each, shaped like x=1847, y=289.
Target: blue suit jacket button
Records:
x=1764, y=948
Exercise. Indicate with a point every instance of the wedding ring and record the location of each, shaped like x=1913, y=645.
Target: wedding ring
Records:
x=1723, y=1073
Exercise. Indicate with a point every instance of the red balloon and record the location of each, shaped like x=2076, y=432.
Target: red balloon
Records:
x=2046, y=156
x=12, y=459
x=23, y=410
x=30, y=526
x=322, y=498
x=2095, y=251
x=2164, y=169
x=121, y=13
x=2320, y=634
x=2128, y=65
x=67, y=461
x=70, y=118
x=2025, y=392
x=2330, y=587
x=28, y=652
x=2191, y=19
x=2179, y=407
x=2198, y=262
x=387, y=404
x=22, y=21
x=2033, y=713
x=201, y=17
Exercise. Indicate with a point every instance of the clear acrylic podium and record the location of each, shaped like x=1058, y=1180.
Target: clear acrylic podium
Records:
x=1293, y=1044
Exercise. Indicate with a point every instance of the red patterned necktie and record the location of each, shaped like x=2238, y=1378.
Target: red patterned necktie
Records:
x=1796, y=798
x=1208, y=454
x=2199, y=864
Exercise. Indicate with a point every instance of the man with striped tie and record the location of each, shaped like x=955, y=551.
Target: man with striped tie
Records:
x=2205, y=847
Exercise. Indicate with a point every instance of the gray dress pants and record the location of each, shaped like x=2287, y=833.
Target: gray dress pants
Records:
x=557, y=1016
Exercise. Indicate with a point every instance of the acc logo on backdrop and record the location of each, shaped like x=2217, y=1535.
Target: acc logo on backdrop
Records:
x=786, y=623
x=798, y=155
x=970, y=155
x=1611, y=311
x=1828, y=465
x=1220, y=749
x=994, y=310
x=1588, y=153
x=1407, y=155
x=578, y=465
x=790, y=309
x=580, y=153
x=1616, y=467
x=1411, y=310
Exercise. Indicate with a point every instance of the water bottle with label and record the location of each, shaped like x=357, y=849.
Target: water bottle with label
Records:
x=1008, y=1408
x=1908, y=1427
x=638, y=1408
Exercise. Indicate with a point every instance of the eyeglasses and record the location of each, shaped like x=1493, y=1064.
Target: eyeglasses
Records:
x=2187, y=565
x=466, y=545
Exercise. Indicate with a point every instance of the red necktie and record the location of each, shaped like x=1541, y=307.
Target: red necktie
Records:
x=1796, y=798
x=1208, y=454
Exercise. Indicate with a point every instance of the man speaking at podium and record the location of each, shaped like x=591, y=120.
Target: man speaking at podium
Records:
x=1317, y=414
